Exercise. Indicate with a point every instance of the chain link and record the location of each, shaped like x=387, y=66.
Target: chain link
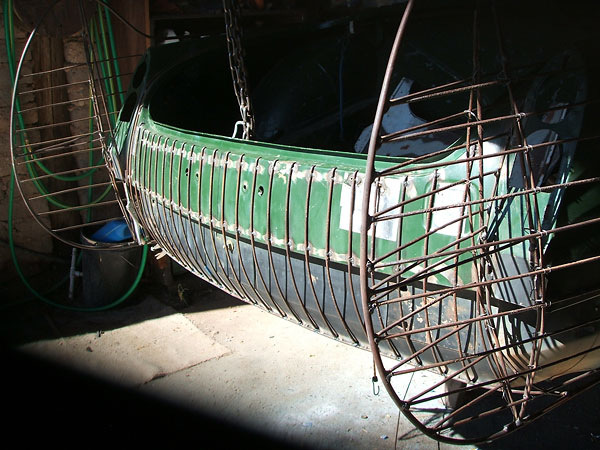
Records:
x=233, y=31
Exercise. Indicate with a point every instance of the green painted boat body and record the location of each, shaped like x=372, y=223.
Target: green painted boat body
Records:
x=279, y=225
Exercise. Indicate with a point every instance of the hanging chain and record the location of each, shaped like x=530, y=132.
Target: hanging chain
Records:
x=233, y=31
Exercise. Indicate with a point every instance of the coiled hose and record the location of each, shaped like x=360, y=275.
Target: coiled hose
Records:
x=9, y=39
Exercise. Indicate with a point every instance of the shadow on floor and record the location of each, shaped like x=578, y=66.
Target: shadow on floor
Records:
x=35, y=320
x=51, y=404
x=573, y=424
x=60, y=403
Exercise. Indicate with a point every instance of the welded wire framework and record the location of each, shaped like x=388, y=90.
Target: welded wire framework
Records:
x=529, y=365
x=63, y=114
x=475, y=261
x=470, y=265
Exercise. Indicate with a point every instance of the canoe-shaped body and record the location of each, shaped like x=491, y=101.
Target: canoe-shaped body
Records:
x=459, y=231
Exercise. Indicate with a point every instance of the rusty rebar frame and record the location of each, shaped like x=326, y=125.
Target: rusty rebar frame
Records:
x=209, y=243
x=31, y=150
x=376, y=294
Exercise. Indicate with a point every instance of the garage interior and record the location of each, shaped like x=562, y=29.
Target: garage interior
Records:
x=176, y=358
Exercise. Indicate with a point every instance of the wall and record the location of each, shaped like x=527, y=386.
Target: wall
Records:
x=33, y=247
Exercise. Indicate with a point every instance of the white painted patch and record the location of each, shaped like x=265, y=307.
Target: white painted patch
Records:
x=446, y=218
x=389, y=195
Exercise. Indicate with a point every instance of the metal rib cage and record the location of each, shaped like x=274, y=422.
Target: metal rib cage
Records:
x=468, y=295
x=63, y=112
x=198, y=223
x=462, y=297
x=529, y=379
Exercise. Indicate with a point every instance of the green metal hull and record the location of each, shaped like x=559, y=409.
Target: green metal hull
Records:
x=280, y=226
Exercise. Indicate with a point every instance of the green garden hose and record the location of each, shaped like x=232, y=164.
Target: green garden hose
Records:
x=9, y=39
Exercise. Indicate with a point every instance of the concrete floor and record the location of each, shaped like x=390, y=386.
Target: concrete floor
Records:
x=205, y=368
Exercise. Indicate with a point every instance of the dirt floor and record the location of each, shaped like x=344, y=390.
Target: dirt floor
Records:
x=191, y=364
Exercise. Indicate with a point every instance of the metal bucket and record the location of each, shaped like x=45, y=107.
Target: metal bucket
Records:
x=107, y=272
